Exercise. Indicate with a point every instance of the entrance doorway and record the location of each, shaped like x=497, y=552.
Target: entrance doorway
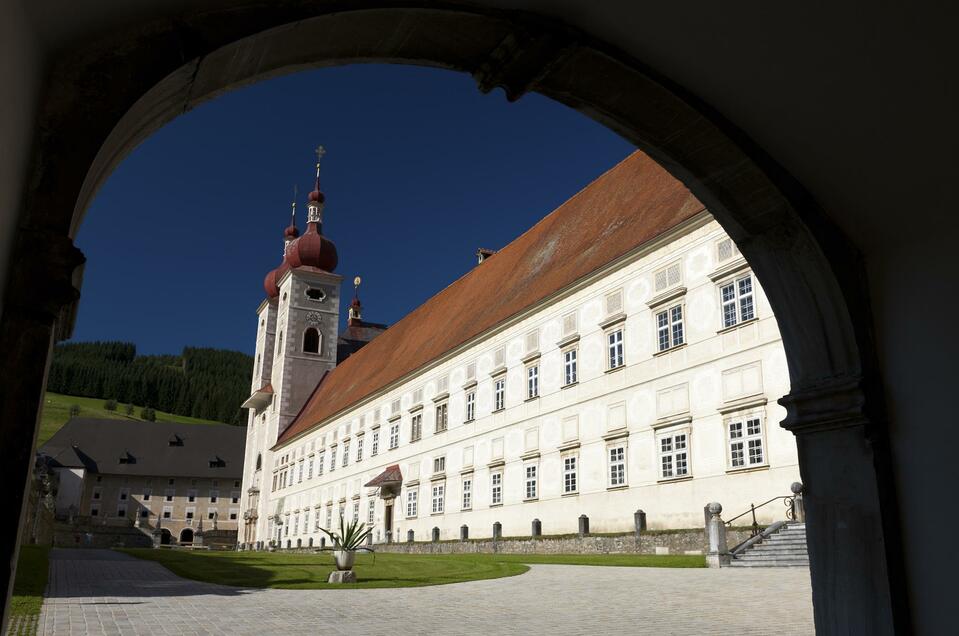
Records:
x=388, y=519
x=165, y=537
x=186, y=535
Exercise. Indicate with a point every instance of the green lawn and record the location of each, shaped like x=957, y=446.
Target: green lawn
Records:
x=310, y=571
x=28, y=587
x=56, y=412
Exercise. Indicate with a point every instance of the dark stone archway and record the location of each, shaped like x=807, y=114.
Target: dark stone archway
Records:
x=104, y=97
x=186, y=535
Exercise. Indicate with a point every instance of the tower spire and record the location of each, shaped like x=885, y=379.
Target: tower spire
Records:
x=355, y=313
x=316, y=198
x=290, y=233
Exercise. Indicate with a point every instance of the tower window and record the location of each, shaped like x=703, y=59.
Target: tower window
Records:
x=311, y=340
x=316, y=294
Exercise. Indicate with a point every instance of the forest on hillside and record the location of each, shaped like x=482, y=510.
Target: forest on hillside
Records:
x=206, y=383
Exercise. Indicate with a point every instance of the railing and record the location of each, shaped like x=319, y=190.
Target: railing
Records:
x=788, y=501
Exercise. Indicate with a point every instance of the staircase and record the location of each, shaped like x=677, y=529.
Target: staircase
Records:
x=785, y=547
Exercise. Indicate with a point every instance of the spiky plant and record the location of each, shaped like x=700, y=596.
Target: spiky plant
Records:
x=350, y=537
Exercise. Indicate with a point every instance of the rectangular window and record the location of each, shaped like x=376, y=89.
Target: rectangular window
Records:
x=496, y=488
x=471, y=406
x=569, y=474
x=532, y=381
x=273, y=489
x=669, y=328
x=674, y=455
x=121, y=510
x=333, y=459
x=97, y=493
x=346, y=453
x=411, y=503
x=124, y=494
x=319, y=464
x=442, y=414
x=356, y=511
x=329, y=517
x=439, y=496
x=235, y=497
x=439, y=464
x=467, y=493
x=499, y=394
x=371, y=512
x=168, y=494
x=191, y=496
x=234, y=514
x=167, y=512
x=214, y=495
x=359, y=449
x=617, y=466
x=394, y=436
x=299, y=476
x=746, y=443
x=531, y=482
x=210, y=513
x=416, y=427
x=94, y=510
x=737, y=299
x=309, y=469
x=147, y=492
x=569, y=366
x=614, y=344
x=667, y=277
x=375, y=445
x=190, y=513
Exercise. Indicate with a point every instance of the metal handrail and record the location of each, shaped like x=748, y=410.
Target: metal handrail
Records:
x=788, y=501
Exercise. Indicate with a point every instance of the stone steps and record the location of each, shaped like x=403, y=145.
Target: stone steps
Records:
x=786, y=548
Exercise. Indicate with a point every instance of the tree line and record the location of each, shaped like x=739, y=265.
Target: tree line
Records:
x=206, y=383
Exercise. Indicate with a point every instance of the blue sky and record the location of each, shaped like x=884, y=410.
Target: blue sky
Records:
x=420, y=170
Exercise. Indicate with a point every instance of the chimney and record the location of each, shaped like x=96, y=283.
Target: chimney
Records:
x=482, y=254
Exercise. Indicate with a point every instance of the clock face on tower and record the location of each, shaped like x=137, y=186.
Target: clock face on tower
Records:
x=313, y=318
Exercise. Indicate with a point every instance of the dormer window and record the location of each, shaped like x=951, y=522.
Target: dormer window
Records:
x=217, y=462
x=315, y=294
x=127, y=458
x=176, y=440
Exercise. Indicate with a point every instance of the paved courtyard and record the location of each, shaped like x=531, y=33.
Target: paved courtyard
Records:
x=103, y=592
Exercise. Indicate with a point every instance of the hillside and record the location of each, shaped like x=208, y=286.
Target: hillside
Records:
x=207, y=384
x=56, y=412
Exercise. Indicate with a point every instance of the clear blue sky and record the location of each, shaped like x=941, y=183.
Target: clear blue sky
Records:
x=420, y=170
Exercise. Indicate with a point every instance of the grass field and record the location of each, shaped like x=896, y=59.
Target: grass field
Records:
x=310, y=571
x=28, y=587
x=56, y=412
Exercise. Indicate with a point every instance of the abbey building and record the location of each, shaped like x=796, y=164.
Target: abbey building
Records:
x=618, y=355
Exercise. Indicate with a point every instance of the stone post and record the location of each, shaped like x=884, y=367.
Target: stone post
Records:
x=639, y=522
x=464, y=532
x=409, y=536
x=799, y=506
x=718, y=555
x=198, y=534
x=497, y=531
x=537, y=530
x=158, y=534
x=436, y=534
x=583, y=526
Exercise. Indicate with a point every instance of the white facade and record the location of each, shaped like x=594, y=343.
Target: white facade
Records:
x=636, y=428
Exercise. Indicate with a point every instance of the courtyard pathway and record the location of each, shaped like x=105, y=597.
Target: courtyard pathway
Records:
x=103, y=592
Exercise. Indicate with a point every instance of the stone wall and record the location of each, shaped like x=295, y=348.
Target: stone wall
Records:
x=651, y=542
x=98, y=536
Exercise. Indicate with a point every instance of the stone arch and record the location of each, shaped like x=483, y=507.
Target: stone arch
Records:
x=186, y=535
x=312, y=340
x=811, y=275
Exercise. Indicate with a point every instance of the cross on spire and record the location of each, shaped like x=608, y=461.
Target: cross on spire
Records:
x=293, y=205
x=320, y=151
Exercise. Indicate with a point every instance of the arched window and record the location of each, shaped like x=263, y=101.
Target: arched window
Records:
x=259, y=461
x=311, y=340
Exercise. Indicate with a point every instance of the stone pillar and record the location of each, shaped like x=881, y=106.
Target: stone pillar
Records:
x=464, y=532
x=409, y=536
x=718, y=555
x=583, y=526
x=799, y=506
x=639, y=522
x=436, y=534
x=537, y=530
x=497, y=531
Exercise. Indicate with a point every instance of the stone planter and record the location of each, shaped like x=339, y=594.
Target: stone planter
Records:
x=344, y=559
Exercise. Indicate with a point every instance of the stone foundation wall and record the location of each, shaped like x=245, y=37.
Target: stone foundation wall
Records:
x=69, y=536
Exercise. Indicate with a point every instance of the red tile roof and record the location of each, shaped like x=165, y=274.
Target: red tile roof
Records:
x=391, y=475
x=632, y=203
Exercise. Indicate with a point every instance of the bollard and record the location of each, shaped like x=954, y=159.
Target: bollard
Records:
x=464, y=532
x=409, y=536
x=718, y=555
x=639, y=521
x=583, y=526
x=799, y=506
x=497, y=530
x=436, y=534
x=537, y=528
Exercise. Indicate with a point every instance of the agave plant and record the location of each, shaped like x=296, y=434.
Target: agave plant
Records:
x=350, y=537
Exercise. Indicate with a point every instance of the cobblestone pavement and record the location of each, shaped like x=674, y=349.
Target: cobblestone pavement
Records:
x=103, y=592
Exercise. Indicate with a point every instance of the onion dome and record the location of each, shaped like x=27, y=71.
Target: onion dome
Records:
x=270, y=285
x=291, y=233
x=313, y=250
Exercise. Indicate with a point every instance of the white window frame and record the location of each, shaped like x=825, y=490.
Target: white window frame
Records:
x=532, y=381
x=356, y=510
x=309, y=468
x=499, y=393
x=471, y=406
x=616, y=473
x=615, y=348
x=346, y=454
x=570, y=366
x=411, y=503
x=496, y=487
x=570, y=466
x=332, y=458
x=416, y=426
x=670, y=323
x=371, y=512
x=359, y=449
x=394, y=435
x=319, y=463
x=468, y=492
x=673, y=450
x=438, y=498
x=439, y=464
x=531, y=481
x=442, y=417
x=747, y=431
x=375, y=444
x=738, y=305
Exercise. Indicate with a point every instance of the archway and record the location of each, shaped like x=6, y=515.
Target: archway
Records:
x=165, y=537
x=186, y=535
x=812, y=276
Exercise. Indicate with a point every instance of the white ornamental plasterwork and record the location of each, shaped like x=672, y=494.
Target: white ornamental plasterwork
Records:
x=313, y=318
